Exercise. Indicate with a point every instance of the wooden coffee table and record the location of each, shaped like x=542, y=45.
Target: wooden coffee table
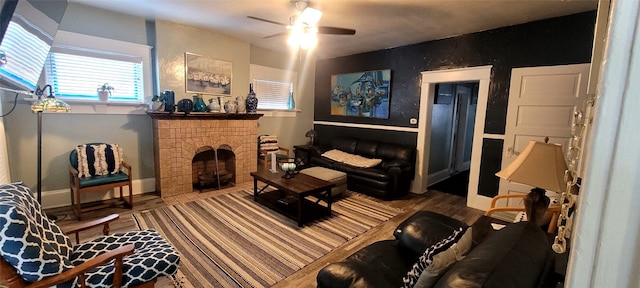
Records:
x=290, y=198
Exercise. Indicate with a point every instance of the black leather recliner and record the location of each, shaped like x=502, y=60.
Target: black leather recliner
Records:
x=391, y=179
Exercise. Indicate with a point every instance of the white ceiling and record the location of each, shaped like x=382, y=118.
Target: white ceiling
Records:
x=380, y=24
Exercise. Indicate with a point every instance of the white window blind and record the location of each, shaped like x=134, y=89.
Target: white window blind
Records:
x=78, y=75
x=78, y=64
x=273, y=94
x=274, y=87
x=24, y=53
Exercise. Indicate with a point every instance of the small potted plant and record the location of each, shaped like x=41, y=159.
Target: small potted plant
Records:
x=104, y=91
x=156, y=102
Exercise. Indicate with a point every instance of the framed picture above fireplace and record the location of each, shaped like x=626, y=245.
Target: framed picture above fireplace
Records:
x=361, y=94
x=207, y=75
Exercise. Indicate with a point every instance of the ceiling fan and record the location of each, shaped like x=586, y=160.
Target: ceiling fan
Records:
x=306, y=20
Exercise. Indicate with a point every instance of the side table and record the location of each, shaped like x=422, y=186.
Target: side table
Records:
x=303, y=152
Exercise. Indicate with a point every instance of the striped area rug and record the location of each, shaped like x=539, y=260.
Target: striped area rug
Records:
x=232, y=241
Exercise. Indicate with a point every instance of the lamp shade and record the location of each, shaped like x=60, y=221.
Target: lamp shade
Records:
x=540, y=165
x=50, y=104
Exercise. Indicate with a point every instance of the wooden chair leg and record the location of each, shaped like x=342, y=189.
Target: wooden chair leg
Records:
x=73, y=200
x=130, y=195
x=553, y=223
x=78, y=207
x=265, y=162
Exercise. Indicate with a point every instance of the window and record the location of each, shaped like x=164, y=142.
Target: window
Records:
x=274, y=87
x=77, y=77
x=22, y=53
x=78, y=64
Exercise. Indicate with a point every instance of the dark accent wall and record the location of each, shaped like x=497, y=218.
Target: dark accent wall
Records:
x=556, y=41
x=399, y=137
x=490, y=163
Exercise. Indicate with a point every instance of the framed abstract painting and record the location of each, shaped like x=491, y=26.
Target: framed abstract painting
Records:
x=361, y=94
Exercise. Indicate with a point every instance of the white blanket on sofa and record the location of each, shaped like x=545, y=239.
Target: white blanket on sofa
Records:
x=353, y=160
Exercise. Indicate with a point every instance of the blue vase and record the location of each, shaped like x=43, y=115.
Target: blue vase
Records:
x=251, y=101
x=169, y=101
x=198, y=104
x=291, y=104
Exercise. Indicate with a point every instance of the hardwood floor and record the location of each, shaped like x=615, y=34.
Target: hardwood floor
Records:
x=447, y=204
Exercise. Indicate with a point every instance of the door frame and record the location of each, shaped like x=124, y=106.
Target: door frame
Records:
x=481, y=74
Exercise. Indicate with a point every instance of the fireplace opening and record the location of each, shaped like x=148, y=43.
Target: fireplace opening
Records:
x=213, y=169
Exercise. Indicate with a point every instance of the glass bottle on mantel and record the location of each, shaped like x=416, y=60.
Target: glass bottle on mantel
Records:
x=252, y=100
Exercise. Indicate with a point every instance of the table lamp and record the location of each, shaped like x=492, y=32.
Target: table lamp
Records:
x=45, y=104
x=312, y=134
x=543, y=166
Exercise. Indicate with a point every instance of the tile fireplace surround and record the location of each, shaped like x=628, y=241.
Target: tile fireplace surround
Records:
x=178, y=137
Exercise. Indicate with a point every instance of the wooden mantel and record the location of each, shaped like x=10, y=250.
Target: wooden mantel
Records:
x=204, y=116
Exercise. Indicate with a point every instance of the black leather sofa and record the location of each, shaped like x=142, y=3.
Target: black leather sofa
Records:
x=390, y=179
x=519, y=255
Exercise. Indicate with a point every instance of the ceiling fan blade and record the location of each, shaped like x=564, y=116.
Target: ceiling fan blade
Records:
x=274, y=35
x=265, y=20
x=335, y=30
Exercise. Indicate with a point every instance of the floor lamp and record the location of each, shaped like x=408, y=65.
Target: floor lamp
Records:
x=45, y=104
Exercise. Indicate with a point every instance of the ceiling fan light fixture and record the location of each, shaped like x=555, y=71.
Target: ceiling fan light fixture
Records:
x=309, y=40
x=303, y=37
x=310, y=16
x=295, y=36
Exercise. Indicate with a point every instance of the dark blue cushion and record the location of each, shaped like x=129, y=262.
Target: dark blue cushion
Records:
x=153, y=257
x=103, y=179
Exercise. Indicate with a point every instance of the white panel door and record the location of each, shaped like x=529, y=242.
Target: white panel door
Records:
x=542, y=101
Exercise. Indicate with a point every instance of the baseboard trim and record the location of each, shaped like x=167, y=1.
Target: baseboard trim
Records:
x=62, y=197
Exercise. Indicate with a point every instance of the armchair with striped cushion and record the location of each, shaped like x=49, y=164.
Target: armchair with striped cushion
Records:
x=267, y=145
x=97, y=167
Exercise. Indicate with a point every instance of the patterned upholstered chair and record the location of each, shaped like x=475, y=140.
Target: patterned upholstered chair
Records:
x=98, y=167
x=37, y=253
x=267, y=145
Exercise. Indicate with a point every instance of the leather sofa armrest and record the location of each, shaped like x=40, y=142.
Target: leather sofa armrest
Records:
x=317, y=151
x=425, y=228
x=395, y=166
x=347, y=274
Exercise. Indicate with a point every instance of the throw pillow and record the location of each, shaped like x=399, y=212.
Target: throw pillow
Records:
x=269, y=143
x=443, y=260
x=100, y=159
x=426, y=259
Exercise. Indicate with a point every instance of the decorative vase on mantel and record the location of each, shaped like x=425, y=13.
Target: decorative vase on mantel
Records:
x=242, y=104
x=230, y=106
x=198, y=104
x=185, y=105
x=252, y=100
x=214, y=106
